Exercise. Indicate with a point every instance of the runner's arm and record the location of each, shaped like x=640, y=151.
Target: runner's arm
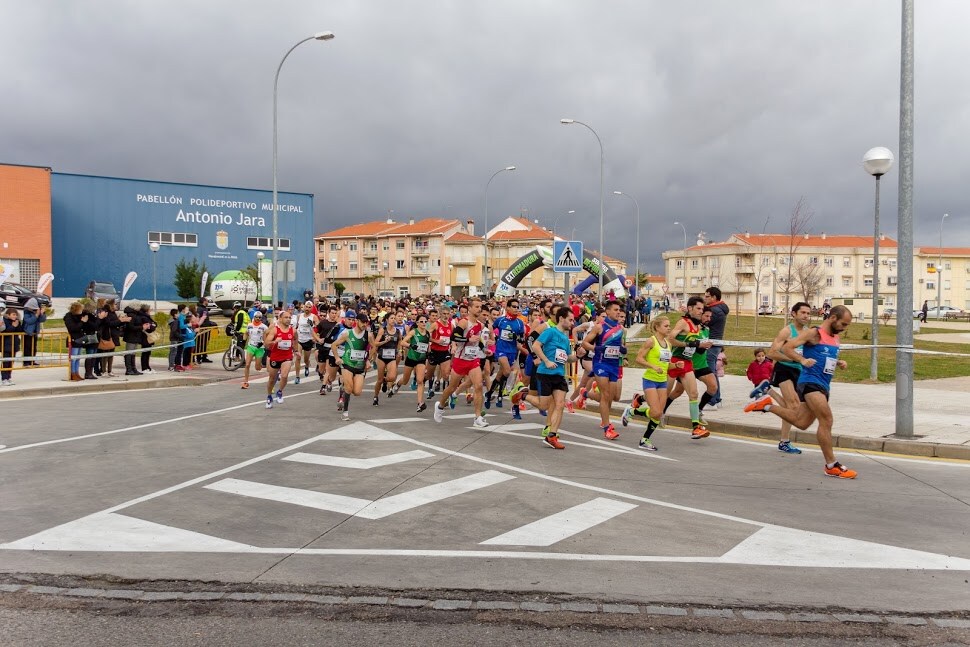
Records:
x=809, y=335
x=775, y=350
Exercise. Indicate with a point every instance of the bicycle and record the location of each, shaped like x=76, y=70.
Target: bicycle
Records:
x=235, y=355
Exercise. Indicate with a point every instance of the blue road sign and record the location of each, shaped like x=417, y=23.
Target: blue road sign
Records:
x=567, y=255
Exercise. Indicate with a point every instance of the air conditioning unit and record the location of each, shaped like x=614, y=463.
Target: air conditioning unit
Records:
x=885, y=261
x=921, y=280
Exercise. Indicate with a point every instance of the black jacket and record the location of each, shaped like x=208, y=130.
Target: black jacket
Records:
x=133, y=328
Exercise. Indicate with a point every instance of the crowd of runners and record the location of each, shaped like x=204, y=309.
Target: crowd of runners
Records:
x=534, y=351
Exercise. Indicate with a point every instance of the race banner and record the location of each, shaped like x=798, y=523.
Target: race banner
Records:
x=44, y=281
x=128, y=282
x=5, y=272
x=205, y=279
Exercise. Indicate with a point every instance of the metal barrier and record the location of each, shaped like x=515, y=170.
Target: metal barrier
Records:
x=209, y=340
x=48, y=348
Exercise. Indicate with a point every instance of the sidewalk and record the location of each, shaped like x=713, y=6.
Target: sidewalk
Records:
x=54, y=381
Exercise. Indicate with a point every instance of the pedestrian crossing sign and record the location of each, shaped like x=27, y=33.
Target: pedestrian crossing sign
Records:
x=567, y=255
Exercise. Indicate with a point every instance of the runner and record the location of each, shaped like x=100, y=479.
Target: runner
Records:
x=305, y=323
x=655, y=354
x=351, y=351
x=819, y=359
x=553, y=350
x=279, y=339
x=520, y=392
x=509, y=333
x=416, y=342
x=387, y=342
x=605, y=341
x=439, y=357
x=327, y=331
x=466, y=338
x=786, y=372
x=702, y=372
x=686, y=339
x=255, y=332
x=585, y=363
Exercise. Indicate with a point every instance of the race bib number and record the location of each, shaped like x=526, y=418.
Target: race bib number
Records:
x=507, y=335
x=561, y=356
x=284, y=344
x=469, y=353
x=689, y=352
x=611, y=352
x=358, y=354
x=388, y=353
x=798, y=351
x=665, y=355
x=326, y=347
x=421, y=347
x=830, y=363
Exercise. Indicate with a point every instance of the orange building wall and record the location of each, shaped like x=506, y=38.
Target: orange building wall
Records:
x=25, y=214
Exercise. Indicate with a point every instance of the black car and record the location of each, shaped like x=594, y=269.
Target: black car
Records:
x=100, y=290
x=15, y=295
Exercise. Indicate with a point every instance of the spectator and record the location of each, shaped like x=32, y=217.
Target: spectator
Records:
x=90, y=324
x=133, y=337
x=13, y=330
x=72, y=321
x=760, y=369
x=924, y=311
x=175, y=339
x=147, y=337
x=109, y=336
x=202, y=327
x=719, y=313
x=33, y=318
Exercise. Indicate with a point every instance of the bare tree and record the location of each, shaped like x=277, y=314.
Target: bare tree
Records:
x=809, y=278
x=798, y=221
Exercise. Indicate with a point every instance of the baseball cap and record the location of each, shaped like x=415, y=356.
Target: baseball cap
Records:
x=237, y=305
x=350, y=314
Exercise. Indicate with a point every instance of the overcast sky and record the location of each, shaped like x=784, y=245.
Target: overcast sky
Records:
x=719, y=114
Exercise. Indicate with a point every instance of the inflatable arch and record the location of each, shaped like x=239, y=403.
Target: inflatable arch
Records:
x=541, y=256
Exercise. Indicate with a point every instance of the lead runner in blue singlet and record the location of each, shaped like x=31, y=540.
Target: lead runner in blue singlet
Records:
x=605, y=341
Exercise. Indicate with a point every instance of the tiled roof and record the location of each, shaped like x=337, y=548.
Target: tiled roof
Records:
x=656, y=278
x=462, y=237
x=785, y=240
x=426, y=226
x=362, y=229
x=519, y=234
x=946, y=251
x=716, y=245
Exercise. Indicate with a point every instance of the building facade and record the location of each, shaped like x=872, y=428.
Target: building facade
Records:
x=25, y=223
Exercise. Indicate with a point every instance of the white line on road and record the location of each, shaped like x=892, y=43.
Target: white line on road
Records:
x=562, y=525
x=391, y=421
x=357, y=463
x=364, y=508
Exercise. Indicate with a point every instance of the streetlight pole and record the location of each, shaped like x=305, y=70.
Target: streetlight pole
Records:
x=939, y=272
x=600, y=141
x=774, y=287
x=259, y=275
x=485, y=274
x=685, y=266
x=323, y=35
x=636, y=274
x=877, y=162
x=154, y=247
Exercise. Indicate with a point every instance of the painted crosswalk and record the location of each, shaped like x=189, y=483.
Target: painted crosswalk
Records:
x=357, y=463
x=562, y=525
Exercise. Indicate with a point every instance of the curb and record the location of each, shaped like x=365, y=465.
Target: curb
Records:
x=105, y=386
x=887, y=445
x=471, y=604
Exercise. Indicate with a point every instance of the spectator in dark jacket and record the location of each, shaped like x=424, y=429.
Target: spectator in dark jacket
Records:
x=146, y=315
x=110, y=331
x=33, y=318
x=132, y=336
x=13, y=329
x=719, y=313
x=90, y=323
x=73, y=321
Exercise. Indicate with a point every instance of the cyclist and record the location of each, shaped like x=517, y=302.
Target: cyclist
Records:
x=240, y=319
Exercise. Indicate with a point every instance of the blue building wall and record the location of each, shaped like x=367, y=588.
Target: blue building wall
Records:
x=100, y=228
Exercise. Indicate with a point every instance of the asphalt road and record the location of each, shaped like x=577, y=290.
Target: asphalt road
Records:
x=204, y=484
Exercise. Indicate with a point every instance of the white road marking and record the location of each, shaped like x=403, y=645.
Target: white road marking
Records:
x=364, y=508
x=461, y=416
x=562, y=525
x=392, y=421
x=147, y=425
x=357, y=463
x=606, y=447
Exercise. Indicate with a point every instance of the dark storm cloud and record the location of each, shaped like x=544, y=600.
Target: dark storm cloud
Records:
x=717, y=114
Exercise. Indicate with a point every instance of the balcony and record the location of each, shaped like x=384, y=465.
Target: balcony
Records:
x=420, y=250
x=370, y=253
x=744, y=268
x=420, y=268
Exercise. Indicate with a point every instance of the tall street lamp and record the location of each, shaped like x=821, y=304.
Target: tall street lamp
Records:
x=488, y=284
x=154, y=247
x=636, y=274
x=600, y=141
x=877, y=162
x=685, y=264
x=323, y=35
x=774, y=287
x=939, y=273
x=259, y=275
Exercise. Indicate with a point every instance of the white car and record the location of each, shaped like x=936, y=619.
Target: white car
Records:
x=938, y=312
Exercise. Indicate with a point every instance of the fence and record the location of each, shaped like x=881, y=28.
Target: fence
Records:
x=48, y=349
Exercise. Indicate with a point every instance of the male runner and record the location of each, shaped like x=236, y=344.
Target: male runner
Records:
x=509, y=333
x=305, y=322
x=605, y=340
x=819, y=359
x=327, y=332
x=439, y=357
x=254, y=345
x=465, y=337
x=279, y=339
x=686, y=339
x=553, y=349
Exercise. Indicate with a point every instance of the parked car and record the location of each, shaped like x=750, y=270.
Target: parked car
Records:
x=99, y=290
x=15, y=295
x=939, y=313
x=765, y=310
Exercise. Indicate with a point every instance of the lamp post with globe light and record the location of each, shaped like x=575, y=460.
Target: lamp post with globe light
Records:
x=876, y=162
x=568, y=122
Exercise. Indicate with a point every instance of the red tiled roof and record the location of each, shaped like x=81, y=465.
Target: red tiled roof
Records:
x=519, y=234
x=462, y=237
x=426, y=226
x=812, y=240
x=362, y=229
x=656, y=278
x=946, y=251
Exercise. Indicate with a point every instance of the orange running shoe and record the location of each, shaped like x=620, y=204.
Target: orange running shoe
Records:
x=569, y=406
x=700, y=431
x=581, y=400
x=245, y=385
x=552, y=440
x=840, y=471
x=759, y=405
x=609, y=432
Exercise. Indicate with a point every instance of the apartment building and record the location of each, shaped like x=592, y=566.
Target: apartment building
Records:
x=944, y=271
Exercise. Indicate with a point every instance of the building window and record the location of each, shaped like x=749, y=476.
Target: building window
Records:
x=694, y=264
x=399, y=244
x=679, y=282
x=399, y=265
x=353, y=247
x=813, y=260
x=867, y=281
x=173, y=239
x=930, y=285
x=402, y=291
x=353, y=266
x=334, y=247
x=386, y=246
x=693, y=282
x=333, y=268
x=890, y=301
x=892, y=280
x=323, y=265
x=946, y=284
x=714, y=263
x=765, y=261
x=930, y=265
x=846, y=261
x=255, y=242
x=829, y=261
x=946, y=265
x=829, y=281
x=784, y=260
x=868, y=262
x=373, y=247
x=372, y=267
x=846, y=281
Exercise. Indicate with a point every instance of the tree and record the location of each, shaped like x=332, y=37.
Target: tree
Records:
x=432, y=284
x=339, y=288
x=188, y=278
x=798, y=221
x=371, y=280
x=810, y=278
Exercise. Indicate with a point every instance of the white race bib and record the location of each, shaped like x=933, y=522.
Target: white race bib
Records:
x=665, y=355
x=469, y=353
x=507, y=335
x=284, y=344
x=689, y=352
x=611, y=352
x=388, y=353
x=420, y=348
x=358, y=354
x=830, y=363
x=561, y=356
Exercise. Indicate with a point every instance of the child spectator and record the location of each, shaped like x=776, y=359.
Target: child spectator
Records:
x=760, y=369
x=722, y=361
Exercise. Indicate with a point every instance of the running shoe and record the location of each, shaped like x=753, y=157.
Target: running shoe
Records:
x=569, y=406
x=545, y=431
x=279, y=397
x=761, y=390
x=323, y=389
x=245, y=385
x=700, y=431
x=499, y=402
x=345, y=416
x=297, y=379
x=452, y=401
x=340, y=402
x=306, y=371
x=647, y=444
x=609, y=432
x=437, y=385
x=480, y=422
x=430, y=392
x=543, y=412
x=414, y=384
x=329, y=388
x=438, y=412
x=786, y=446
x=390, y=392
x=487, y=401
x=627, y=412
x=269, y=402
x=637, y=401
x=840, y=471
x=552, y=440
x=701, y=419
x=518, y=392
x=384, y=386
x=376, y=402
x=581, y=400
x=422, y=407
x=516, y=413
x=759, y=405
x=468, y=398
x=394, y=389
